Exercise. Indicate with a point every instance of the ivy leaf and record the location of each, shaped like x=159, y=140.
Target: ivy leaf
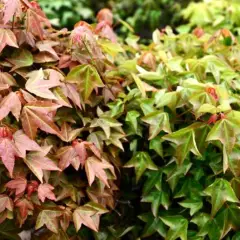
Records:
x=39, y=86
x=194, y=204
x=47, y=46
x=7, y=37
x=36, y=115
x=37, y=162
x=158, y=121
x=154, y=179
x=18, y=184
x=141, y=161
x=139, y=84
x=157, y=198
x=178, y=227
x=156, y=145
x=218, y=198
x=45, y=191
x=21, y=58
x=185, y=141
x=25, y=207
x=10, y=103
x=86, y=77
x=95, y=168
x=5, y=203
x=50, y=219
x=153, y=224
x=225, y=131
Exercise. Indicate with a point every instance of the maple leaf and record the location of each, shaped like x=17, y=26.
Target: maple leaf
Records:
x=5, y=203
x=34, y=21
x=76, y=154
x=8, y=152
x=25, y=207
x=10, y=8
x=17, y=184
x=36, y=115
x=67, y=133
x=37, y=162
x=71, y=92
x=47, y=46
x=6, y=80
x=7, y=37
x=86, y=77
x=40, y=87
x=10, y=103
x=95, y=168
x=20, y=58
x=50, y=219
x=24, y=143
x=45, y=191
x=88, y=215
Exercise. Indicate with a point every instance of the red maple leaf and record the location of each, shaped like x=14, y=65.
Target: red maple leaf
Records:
x=18, y=185
x=45, y=191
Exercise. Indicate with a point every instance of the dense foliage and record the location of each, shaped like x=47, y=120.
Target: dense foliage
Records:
x=145, y=136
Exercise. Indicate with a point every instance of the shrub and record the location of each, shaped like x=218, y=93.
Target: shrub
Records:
x=58, y=146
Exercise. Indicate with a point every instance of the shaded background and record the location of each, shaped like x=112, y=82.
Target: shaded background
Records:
x=147, y=15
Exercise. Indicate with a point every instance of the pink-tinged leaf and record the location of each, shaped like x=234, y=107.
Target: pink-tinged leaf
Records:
x=81, y=152
x=27, y=96
x=37, y=85
x=10, y=8
x=47, y=46
x=25, y=37
x=64, y=61
x=68, y=134
x=61, y=97
x=7, y=37
x=7, y=79
x=66, y=156
x=24, y=143
x=18, y=185
x=95, y=168
x=10, y=103
x=37, y=115
x=8, y=152
x=105, y=31
x=5, y=203
x=45, y=191
x=37, y=162
x=71, y=91
x=35, y=20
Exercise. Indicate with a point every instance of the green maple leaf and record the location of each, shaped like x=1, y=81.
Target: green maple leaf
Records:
x=193, y=204
x=178, y=227
x=185, y=141
x=141, y=161
x=157, y=198
x=220, y=191
x=86, y=77
x=154, y=179
x=158, y=121
x=153, y=225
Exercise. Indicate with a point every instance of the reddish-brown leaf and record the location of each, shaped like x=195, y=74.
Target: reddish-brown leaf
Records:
x=95, y=168
x=10, y=103
x=36, y=115
x=47, y=46
x=37, y=162
x=24, y=206
x=45, y=191
x=18, y=185
x=8, y=152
